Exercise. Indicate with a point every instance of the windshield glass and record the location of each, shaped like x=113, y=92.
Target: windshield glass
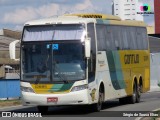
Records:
x=47, y=62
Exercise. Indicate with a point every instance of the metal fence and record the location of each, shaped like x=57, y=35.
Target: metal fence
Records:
x=9, y=88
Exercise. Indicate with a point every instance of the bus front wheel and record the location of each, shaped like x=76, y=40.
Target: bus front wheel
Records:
x=132, y=99
x=98, y=106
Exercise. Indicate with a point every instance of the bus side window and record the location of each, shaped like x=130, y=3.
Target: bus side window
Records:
x=132, y=36
x=110, y=43
x=117, y=45
x=91, y=67
x=90, y=63
x=101, y=37
x=144, y=38
x=125, y=39
x=139, y=39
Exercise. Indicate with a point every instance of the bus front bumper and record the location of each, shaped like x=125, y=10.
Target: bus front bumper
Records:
x=71, y=98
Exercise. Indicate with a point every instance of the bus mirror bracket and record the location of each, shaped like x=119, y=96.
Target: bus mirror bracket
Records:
x=12, y=50
x=87, y=47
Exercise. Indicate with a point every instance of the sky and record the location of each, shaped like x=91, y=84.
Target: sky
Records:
x=14, y=13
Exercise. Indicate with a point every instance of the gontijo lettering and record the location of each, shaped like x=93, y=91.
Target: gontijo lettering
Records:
x=131, y=58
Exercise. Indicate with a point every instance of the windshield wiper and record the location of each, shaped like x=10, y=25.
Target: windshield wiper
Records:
x=39, y=77
x=61, y=76
x=37, y=80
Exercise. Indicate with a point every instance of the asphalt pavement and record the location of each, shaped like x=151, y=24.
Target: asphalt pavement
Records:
x=112, y=110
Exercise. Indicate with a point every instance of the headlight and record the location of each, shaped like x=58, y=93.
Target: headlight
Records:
x=27, y=89
x=77, y=88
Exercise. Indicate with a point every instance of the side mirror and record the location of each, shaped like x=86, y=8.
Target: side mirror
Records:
x=12, y=50
x=88, y=47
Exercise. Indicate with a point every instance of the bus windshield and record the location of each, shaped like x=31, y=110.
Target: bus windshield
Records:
x=49, y=62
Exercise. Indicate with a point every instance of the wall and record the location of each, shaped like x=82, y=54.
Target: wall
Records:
x=155, y=70
x=157, y=16
x=9, y=88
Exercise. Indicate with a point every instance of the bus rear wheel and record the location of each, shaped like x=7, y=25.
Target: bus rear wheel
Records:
x=138, y=97
x=42, y=109
x=132, y=99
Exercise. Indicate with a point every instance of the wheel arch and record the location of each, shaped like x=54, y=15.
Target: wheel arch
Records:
x=102, y=87
x=135, y=81
x=141, y=83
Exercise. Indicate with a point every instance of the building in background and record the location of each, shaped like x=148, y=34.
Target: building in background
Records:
x=127, y=9
x=142, y=10
x=149, y=12
x=8, y=66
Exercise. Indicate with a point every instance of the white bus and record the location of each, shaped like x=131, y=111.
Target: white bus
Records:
x=83, y=59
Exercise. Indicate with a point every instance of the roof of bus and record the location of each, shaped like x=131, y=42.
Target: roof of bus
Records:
x=123, y=22
x=97, y=16
x=61, y=20
x=87, y=18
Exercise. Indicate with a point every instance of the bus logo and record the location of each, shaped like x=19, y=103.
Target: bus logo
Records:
x=145, y=9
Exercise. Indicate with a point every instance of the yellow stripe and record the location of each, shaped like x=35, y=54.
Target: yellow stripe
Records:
x=46, y=89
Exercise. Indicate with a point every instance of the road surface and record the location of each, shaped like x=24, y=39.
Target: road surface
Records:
x=111, y=109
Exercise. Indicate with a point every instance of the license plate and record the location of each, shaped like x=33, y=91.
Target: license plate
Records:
x=52, y=99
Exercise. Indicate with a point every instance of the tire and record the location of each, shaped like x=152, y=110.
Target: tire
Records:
x=42, y=109
x=138, y=97
x=132, y=99
x=98, y=106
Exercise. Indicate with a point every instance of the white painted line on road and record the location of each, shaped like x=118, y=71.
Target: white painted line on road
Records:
x=149, y=92
x=138, y=118
x=157, y=91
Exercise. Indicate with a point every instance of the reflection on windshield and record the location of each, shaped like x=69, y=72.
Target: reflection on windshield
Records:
x=69, y=60
x=36, y=62
x=53, y=62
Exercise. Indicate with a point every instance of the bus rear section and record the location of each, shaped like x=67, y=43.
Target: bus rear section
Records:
x=123, y=54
